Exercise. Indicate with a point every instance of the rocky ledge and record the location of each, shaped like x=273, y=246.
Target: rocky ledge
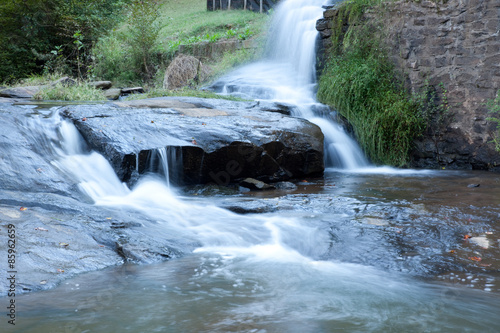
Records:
x=206, y=140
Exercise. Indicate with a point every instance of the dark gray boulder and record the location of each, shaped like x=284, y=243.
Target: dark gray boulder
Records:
x=213, y=141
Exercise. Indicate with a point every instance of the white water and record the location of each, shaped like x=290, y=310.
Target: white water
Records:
x=250, y=273
x=288, y=74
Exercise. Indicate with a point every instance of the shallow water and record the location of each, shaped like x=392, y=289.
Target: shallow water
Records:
x=366, y=251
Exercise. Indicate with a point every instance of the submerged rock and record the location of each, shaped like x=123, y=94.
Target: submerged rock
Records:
x=254, y=184
x=209, y=141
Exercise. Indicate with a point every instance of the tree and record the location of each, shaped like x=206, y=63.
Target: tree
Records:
x=261, y=6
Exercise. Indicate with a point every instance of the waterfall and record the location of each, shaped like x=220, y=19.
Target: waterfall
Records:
x=288, y=74
x=170, y=163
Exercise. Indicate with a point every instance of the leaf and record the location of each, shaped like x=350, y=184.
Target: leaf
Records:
x=63, y=244
x=84, y=119
x=60, y=270
x=23, y=209
x=467, y=237
x=453, y=251
x=475, y=258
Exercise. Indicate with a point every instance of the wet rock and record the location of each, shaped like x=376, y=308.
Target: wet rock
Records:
x=210, y=141
x=285, y=186
x=60, y=233
x=254, y=184
x=284, y=108
x=113, y=94
x=23, y=165
x=20, y=92
x=103, y=85
x=133, y=90
x=65, y=82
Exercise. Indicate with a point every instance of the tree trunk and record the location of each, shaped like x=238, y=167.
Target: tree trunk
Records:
x=228, y=4
x=220, y=5
x=213, y=5
x=261, y=9
x=245, y=4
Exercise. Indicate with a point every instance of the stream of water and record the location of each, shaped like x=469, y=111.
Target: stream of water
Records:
x=362, y=249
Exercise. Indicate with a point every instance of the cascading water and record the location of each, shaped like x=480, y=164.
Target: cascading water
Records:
x=248, y=273
x=269, y=272
x=288, y=74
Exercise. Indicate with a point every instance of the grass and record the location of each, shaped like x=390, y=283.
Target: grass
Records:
x=185, y=92
x=185, y=19
x=82, y=91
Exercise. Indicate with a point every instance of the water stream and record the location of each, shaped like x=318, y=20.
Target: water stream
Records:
x=359, y=250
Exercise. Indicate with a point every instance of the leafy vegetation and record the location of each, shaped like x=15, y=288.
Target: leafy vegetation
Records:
x=40, y=35
x=362, y=84
x=494, y=106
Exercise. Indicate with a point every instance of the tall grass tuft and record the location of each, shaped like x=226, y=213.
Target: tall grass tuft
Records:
x=81, y=91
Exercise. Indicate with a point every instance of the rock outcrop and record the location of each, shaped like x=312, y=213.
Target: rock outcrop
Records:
x=184, y=70
x=454, y=45
x=210, y=141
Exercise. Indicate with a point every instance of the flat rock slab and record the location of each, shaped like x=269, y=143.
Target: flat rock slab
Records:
x=208, y=141
x=20, y=92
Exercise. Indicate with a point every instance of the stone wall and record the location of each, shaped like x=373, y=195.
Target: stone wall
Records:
x=253, y=5
x=208, y=51
x=455, y=45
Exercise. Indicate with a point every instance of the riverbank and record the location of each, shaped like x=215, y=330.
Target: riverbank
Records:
x=428, y=64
